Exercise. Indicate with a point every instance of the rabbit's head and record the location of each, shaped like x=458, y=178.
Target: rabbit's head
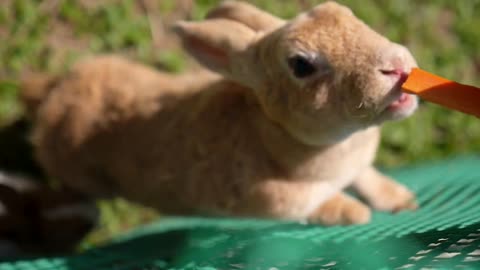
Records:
x=322, y=76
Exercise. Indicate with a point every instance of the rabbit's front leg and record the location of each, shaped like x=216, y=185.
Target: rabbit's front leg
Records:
x=341, y=209
x=383, y=193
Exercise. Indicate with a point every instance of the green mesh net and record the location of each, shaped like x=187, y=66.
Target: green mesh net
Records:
x=443, y=234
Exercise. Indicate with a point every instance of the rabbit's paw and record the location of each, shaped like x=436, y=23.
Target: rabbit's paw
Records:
x=393, y=197
x=383, y=193
x=341, y=210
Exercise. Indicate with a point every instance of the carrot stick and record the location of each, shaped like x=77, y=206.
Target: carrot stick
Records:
x=450, y=94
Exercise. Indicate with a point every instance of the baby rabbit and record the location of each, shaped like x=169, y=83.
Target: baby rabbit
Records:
x=291, y=121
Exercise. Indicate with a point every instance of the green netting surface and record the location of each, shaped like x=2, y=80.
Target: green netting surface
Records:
x=443, y=234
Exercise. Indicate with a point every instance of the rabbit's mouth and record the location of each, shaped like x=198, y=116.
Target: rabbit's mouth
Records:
x=402, y=106
x=398, y=105
x=404, y=101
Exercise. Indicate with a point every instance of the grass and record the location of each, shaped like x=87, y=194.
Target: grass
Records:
x=49, y=35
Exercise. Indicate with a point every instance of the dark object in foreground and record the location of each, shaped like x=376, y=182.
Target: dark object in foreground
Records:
x=36, y=219
x=16, y=151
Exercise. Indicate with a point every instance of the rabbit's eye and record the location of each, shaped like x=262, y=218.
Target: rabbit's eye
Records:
x=301, y=66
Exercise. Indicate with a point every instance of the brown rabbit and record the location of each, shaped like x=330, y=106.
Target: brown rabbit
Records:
x=292, y=120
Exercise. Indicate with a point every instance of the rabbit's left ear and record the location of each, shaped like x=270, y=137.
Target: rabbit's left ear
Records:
x=216, y=43
x=247, y=14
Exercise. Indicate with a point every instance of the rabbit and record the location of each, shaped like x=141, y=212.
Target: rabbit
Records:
x=285, y=116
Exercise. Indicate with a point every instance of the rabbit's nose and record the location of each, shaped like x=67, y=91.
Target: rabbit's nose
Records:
x=396, y=72
x=395, y=61
x=399, y=75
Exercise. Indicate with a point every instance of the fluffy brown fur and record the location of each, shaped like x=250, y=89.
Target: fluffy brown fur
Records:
x=255, y=141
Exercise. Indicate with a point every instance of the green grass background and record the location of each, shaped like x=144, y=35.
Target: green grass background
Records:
x=49, y=35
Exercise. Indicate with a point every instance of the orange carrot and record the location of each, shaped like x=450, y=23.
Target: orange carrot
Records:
x=450, y=94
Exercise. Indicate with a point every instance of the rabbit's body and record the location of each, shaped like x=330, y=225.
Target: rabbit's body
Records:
x=226, y=145
x=203, y=150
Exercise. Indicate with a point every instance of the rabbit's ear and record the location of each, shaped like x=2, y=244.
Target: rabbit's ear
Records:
x=242, y=12
x=216, y=43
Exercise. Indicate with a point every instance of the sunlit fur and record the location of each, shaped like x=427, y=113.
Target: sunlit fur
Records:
x=253, y=141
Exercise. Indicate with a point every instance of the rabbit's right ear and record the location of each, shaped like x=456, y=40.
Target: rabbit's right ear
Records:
x=216, y=43
x=245, y=13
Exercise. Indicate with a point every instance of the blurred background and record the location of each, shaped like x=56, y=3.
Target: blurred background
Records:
x=49, y=35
